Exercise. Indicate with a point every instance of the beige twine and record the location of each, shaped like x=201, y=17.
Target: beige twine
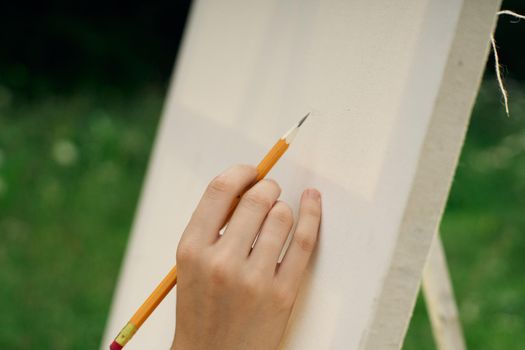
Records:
x=496, y=59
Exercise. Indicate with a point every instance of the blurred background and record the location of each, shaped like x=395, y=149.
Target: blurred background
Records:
x=81, y=93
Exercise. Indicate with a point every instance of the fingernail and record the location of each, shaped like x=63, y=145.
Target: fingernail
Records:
x=313, y=193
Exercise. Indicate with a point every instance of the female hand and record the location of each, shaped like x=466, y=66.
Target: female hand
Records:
x=230, y=296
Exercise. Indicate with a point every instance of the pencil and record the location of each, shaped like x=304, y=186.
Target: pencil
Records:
x=168, y=282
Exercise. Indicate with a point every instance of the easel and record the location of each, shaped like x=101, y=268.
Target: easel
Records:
x=436, y=283
x=439, y=298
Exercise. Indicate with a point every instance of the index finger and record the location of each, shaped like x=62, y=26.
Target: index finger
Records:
x=214, y=206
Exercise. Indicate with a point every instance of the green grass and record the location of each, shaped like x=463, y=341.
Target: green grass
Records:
x=71, y=169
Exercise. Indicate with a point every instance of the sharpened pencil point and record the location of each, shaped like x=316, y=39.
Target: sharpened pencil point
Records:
x=303, y=119
x=290, y=135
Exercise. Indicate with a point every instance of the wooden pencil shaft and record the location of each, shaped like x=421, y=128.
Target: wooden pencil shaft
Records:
x=155, y=298
x=271, y=158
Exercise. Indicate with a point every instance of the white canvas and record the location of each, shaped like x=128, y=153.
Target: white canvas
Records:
x=377, y=77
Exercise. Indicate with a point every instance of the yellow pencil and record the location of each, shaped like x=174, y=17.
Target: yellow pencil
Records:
x=170, y=280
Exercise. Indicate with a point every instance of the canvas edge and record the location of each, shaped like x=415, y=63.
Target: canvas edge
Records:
x=435, y=170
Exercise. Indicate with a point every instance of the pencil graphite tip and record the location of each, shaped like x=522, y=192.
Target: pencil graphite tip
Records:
x=303, y=119
x=290, y=135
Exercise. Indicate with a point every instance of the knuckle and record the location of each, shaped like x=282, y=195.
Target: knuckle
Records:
x=245, y=168
x=219, y=186
x=252, y=285
x=272, y=183
x=305, y=242
x=312, y=210
x=186, y=254
x=257, y=200
x=219, y=271
x=196, y=222
x=283, y=298
x=282, y=214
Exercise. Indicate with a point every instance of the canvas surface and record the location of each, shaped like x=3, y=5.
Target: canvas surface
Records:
x=370, y=72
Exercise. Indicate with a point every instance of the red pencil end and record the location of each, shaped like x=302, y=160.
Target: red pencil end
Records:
x=115, y=346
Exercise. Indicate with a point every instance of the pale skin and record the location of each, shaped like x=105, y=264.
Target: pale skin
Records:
x=230, y=296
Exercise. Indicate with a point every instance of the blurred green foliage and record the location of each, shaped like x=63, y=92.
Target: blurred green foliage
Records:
x=482, y=229
x=71, y=169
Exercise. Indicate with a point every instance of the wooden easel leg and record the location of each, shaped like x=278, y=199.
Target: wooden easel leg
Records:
x=440, y=301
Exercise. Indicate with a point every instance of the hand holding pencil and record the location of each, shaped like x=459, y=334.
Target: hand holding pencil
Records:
x=230, y=294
